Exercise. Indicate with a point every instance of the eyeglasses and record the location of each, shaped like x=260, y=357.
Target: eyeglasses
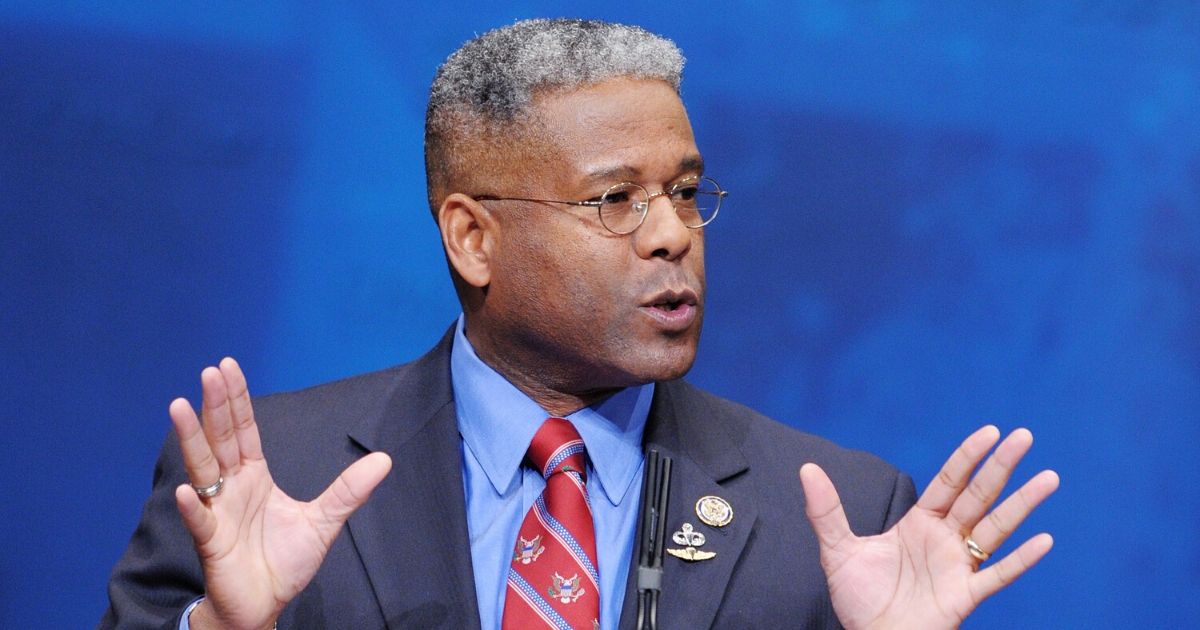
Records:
x=623, y=208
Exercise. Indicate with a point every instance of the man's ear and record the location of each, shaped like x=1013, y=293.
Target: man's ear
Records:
x=468, y=235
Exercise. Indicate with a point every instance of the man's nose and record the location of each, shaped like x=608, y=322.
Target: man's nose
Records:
x=662, y=233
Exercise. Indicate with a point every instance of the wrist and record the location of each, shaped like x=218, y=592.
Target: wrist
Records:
x=203, y=617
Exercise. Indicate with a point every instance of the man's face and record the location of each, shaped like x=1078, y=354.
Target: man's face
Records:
x=570, y=303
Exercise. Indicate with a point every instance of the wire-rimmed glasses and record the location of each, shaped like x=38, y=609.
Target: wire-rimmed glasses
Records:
x=623, y=207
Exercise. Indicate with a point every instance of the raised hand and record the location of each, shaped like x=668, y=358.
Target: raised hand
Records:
x=921, y=573
x=259, y=547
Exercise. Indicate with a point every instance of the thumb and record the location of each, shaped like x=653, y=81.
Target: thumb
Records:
x=196, y=516
x=824, y=508
x=350, y=490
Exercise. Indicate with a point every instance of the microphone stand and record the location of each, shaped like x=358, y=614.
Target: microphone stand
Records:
x=652, y=524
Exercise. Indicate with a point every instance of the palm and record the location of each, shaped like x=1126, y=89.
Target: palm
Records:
x=264, y=547
x=895, y=576
x=919, y=574
x=258, y=547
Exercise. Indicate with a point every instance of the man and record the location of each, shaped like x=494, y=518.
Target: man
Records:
x=571, y=201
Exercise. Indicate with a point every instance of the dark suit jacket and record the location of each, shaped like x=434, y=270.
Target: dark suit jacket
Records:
x=404, y=559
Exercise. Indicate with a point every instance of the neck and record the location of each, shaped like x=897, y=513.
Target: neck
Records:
x=556, y=403
x=546, y=386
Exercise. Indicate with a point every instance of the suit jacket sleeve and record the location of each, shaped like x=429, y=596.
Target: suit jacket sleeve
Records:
x=159, y=573
x=904, y=496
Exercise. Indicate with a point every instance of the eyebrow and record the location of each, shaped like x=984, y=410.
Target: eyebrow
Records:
x=692, y=163
x=625, y=172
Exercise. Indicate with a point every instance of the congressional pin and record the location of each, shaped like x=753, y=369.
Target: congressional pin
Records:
x=714, y=511
x=690, y=539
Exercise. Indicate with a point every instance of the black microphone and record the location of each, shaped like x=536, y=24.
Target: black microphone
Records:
x=652, y=525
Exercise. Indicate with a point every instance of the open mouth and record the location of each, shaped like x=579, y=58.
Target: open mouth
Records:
x=673, y=311
x=672, y=300
x=669, y=305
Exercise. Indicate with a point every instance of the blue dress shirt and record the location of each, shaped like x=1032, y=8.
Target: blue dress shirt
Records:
x=497, y=421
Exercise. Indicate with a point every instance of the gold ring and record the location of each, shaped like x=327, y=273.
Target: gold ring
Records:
x=976, y=551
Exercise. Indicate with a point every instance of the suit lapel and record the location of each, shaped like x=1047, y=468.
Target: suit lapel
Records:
x=704, y=453
x=415, y=524
x=693, y=591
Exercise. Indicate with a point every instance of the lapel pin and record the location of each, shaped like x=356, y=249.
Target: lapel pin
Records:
x=714, y=511
x=690, y=539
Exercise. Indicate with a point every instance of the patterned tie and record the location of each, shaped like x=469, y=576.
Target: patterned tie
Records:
x=553, y=581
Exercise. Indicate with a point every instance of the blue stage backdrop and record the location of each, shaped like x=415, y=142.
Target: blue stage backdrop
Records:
x=942, y=214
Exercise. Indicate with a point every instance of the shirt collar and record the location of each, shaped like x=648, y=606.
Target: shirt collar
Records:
x=497, y=421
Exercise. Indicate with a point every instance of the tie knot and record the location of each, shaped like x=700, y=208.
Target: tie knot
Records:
x=557, y=447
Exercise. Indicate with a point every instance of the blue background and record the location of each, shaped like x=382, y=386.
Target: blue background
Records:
x=942, y=214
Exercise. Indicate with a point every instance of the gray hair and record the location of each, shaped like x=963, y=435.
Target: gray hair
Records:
x=482, y=92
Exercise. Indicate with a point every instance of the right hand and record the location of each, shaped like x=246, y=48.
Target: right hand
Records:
x=258, y=547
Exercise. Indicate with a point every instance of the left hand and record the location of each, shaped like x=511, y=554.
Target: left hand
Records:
x=920, y=574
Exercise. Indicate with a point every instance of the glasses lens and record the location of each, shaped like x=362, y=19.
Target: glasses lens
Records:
x=623, y=207
x=697, y=201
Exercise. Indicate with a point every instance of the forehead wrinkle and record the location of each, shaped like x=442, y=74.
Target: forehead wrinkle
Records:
x=603, y=174
x=628, y=172
x=621, y=130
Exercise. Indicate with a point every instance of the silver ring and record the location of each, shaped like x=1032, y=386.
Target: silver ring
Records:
x=208, y=492
x=976, y=551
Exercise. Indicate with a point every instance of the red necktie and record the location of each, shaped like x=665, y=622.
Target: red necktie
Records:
x=553, y=581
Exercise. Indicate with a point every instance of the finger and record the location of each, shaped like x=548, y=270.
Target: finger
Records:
x=824, y=508
x=244, y=427
x=985, y=583
x=348, y=492
x=1001, y=522
x=202, y=468
x=953, y=477
x=988, y=483
x=218, y=423
x=197, y=517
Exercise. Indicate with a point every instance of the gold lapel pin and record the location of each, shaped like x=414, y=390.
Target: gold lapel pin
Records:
x=714, y=511
x=690, y=539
